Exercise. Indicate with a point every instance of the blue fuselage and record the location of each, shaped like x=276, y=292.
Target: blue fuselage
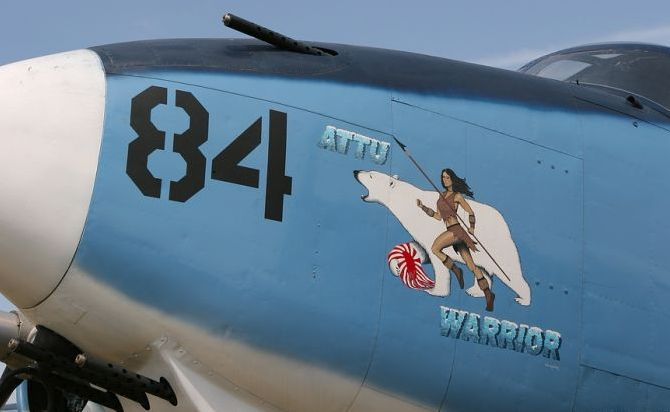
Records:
x=217, y=202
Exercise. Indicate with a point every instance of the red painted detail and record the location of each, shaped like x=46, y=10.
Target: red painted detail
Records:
x=409, y=265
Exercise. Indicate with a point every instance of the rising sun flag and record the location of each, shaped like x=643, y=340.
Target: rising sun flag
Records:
x=407, y=258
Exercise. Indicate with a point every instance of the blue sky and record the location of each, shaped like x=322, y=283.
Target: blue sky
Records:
x=503, y=33
x=500, y=33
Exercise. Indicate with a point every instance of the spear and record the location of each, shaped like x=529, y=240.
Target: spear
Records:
x=418, y=166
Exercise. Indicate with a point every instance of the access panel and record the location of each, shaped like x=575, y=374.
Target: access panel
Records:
x=526, y=212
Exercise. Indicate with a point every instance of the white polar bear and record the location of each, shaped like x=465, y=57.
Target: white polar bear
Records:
x=491, y=230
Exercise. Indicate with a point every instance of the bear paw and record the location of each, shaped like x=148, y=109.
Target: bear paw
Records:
x=438, y=291
x=474, y=291
x=523, y=301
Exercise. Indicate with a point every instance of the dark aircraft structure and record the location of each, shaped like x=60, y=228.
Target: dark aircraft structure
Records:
x=232, y=225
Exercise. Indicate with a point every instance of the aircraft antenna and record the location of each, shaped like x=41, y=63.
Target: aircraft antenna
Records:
x=264, y=34
x=409, y=155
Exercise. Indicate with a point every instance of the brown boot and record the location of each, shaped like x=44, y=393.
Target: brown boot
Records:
x=490, y=296
x=458, y=272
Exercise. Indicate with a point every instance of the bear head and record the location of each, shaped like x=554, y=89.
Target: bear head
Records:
x=380, y=185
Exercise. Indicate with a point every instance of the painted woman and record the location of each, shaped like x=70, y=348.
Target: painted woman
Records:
x=454, y=235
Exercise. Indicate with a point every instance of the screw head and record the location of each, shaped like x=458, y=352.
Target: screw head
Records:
x=80, y=360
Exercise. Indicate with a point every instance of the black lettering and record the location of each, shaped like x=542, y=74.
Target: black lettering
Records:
x=226, y=167
x=188, y=145
x=278, y=184
x=149, y=138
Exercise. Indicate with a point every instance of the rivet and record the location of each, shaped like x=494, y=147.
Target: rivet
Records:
x=80, y=360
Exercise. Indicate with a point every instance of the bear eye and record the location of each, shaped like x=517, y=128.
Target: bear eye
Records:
x=391, y=183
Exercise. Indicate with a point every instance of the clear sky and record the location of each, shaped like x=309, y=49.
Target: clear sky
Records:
x=501, y=33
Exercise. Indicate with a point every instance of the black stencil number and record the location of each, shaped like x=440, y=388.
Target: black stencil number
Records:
x=225, y=166
x=149, y=138
x=278, y=184
x=188, y=144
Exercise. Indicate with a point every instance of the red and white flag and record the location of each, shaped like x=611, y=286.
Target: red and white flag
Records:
x=405, y=262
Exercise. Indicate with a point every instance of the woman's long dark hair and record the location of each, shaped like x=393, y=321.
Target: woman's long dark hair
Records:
x=458, y=185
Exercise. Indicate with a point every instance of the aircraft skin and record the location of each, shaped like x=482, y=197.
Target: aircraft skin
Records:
x=221, y=231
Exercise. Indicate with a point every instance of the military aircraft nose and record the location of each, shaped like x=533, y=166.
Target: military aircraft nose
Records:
x=51, y=118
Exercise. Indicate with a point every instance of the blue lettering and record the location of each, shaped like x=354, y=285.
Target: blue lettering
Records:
x=507, y=334
x=471, y=327
x=552, y=341
x=337, y=140
x=328, y=139
x=451, y=321
x=534, y=341
x=379, y=151
x=521, y=335
x=360, y=147
x=490, y=328
x=343, y=139
x=470, y=331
